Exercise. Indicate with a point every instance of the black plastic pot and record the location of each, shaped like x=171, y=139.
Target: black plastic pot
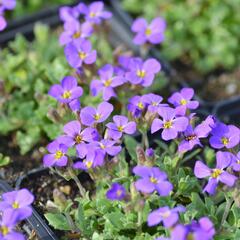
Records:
x=206, y=107
x=35, y=222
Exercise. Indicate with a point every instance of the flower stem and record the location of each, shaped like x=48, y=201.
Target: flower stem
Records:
x=76, y=180
x=227, y=209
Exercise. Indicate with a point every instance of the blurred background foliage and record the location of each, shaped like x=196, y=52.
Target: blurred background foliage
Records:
x=200, y=33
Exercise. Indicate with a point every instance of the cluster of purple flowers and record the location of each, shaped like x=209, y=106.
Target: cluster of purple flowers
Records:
x=5, y=5
x=15, y=207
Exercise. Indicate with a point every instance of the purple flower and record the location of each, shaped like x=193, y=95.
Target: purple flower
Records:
x=75, y=105
x=3, y=23
x=153, y=33
x=67, y=91
x=152, y=179
x=149, y=152
x=192, y=136
x=80, y=52
x=120, y=126
x=95, y=13
x=93, y=159
x=76, y=136
x=236, y=162
x=116, y=192
x=18, y=202
x=168, y=216
x=182, y=101
x=218, y=174
x=90, y=115
x=7, y=4
x=224, y=136
x=203, y=229
x=73, y=31
x=170, y=124
x=57, y=155
x=68, y=14
x=106, y=146
x=137, y=105
x=154, y=102
x=7, y=224
x=107, y=83
x=142, y=73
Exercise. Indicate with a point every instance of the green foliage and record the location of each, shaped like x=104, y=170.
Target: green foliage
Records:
x=4, y=160
x=199, y=33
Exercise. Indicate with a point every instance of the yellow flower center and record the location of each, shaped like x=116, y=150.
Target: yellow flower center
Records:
x=4, y=230
x=153, y=180
x=67, y=94
x=189, y=138
x=97, y=116
x=77, y=35
x=102, y=146
x=108, y=82
x=216, y=172
x=148, y=32
x=92, y=14
x=120, y=128
x=82, y=55
x=154, y=104
x=225, y=140
x=141, y=73
x=183, y=102
x=238, y=161
x=78, y=139
x=190, y=236
x=89, y=164
x=58, y=154
x=15, y=205
x=119, y=193
x=167, y=124
x=140, y=105
x=165, y=214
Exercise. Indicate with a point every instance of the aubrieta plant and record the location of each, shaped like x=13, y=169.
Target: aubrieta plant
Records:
x=15, y=207
x=149, y=189
x=5, y=5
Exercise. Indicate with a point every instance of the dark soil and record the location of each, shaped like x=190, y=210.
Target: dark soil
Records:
x=216, y=86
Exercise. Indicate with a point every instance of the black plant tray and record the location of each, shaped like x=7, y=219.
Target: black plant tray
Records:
x=207, y=107
x=35, y=221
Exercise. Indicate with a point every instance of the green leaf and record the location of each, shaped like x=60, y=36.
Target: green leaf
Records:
x=58, y=221
x=131, y=145
x=4, y=160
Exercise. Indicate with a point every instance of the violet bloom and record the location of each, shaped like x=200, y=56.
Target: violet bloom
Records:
x=106, y=146
x=73, y=31
x=182, y=100
x=67, y=91
x=18, y=202
x=80, y=52
x=93, y=159
x=192, y=136
x=224, y=136
x=95, y=13
x=119, y=126
x=107, y=83
x=218, y=174
x=90, y=115
x=7, y=224
x=152, y=33
x=68, y=14
x=76, y=136
x=152, y=179
x=3, y=23
x=168, y=216
x=75, y=105
x=203, y=229
x=170, y=123
x=236, y=162
x=57, y=155
x=137, y=105
x=154, y=102
x=116, y=192
x=142, y=73
x=149, y=152
x=5, y=5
